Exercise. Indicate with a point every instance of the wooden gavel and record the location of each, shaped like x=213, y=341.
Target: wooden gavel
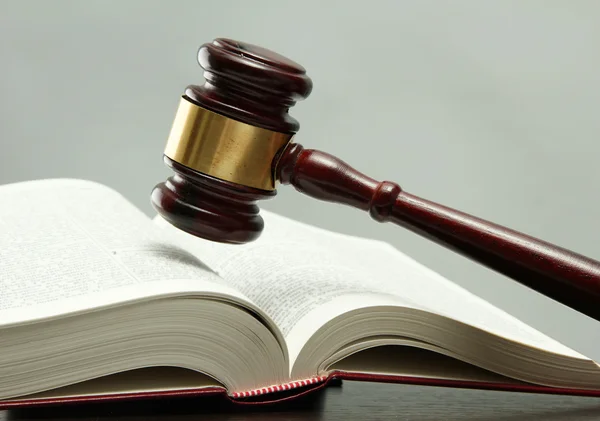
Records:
x=232, y=141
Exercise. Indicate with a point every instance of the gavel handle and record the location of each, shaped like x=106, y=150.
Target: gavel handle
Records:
x=558, y=273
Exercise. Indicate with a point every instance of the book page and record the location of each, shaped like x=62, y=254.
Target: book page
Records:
x=75, y=240
x=287, y=272
x=297, y=272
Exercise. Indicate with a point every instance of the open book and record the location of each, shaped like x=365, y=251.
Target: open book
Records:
x=97, y=299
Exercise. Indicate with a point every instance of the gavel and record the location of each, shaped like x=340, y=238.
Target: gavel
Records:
x=233, y=141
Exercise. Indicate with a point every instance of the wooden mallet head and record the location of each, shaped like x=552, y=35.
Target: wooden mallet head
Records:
x=226, y=140
x=231, y=142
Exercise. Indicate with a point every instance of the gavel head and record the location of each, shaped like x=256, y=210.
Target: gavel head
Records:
x=226, y=138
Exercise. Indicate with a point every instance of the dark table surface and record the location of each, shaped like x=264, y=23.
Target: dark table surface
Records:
x=350, y=401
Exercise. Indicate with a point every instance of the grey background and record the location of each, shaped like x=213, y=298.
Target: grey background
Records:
x=489, y=107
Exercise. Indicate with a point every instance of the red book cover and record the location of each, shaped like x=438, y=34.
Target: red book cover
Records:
x=292, y=390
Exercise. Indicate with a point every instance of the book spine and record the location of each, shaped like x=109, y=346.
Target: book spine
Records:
x=280, y=387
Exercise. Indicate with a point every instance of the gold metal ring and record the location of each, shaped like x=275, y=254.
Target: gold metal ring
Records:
x=223, y=147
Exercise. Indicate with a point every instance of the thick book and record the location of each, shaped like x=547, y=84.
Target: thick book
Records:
x=100, y=302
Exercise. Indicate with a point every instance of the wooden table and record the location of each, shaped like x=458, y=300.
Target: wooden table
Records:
x=351, y=401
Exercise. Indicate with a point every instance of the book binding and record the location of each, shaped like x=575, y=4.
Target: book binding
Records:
x=292, y=390
x=280, y=387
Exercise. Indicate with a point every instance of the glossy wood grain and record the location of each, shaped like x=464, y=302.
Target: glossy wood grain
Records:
x=352, y=401
x=561, y=274
x=251, y=84
x=247, y=83
x=256, y=86
x=207, y=207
